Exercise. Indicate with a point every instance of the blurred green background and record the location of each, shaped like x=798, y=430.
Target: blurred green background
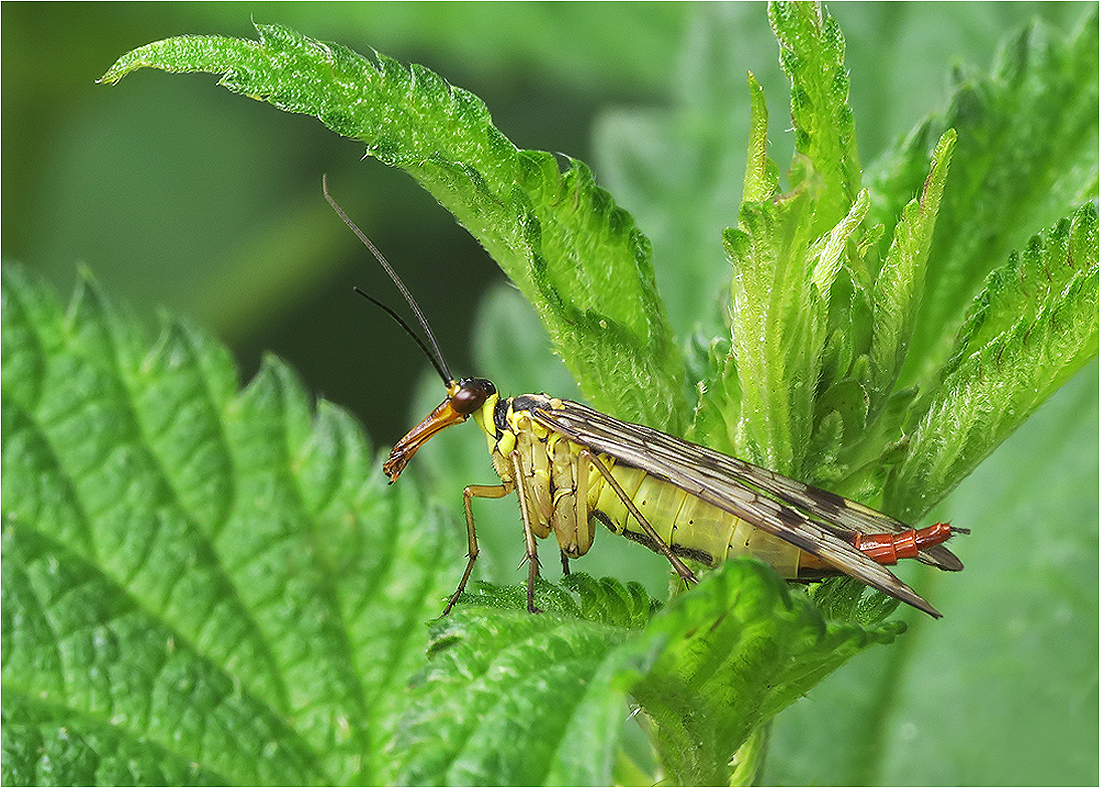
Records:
x=176, y=193
x=179, y=194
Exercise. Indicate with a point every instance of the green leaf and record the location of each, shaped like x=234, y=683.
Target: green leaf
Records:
x=811, y=50
x=1030, y=282
x=575, y=255
x=1032, y=328
x=1026, y=152
x=81, y=653
x=734, y=652
x=782, y=307
x=507, y=694
x=771, y=312
x=899, y=286
x=578, y=595
x=761, y=173
x=195, y=573
x=502, y=693
x=213, y=582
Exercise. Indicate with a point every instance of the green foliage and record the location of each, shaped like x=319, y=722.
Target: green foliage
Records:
x=811, y=50
x=1007, y=676
x=1031, y=328
x=518, y=699
x=1026, y=156
x=579, y=595
x=215, y=558
x=210, y=586
x=189, y=568
x=822, y=325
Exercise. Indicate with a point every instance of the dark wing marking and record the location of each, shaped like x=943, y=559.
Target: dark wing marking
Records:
x=729, y=483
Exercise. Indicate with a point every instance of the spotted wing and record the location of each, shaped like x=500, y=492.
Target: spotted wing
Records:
x=807, y=517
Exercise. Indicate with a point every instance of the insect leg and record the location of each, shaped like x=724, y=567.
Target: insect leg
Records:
x=532, y=555
x=471, y=492
x=564, y=563
x=680, y=567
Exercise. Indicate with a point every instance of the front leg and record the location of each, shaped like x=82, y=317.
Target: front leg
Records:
x=471, y=492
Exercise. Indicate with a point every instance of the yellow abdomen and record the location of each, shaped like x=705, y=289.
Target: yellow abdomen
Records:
x=691, y=527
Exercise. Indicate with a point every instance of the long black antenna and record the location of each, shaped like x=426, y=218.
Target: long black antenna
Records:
x=408, y=330
x=437, y=359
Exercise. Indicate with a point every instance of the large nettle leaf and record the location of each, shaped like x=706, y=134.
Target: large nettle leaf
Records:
x=200, y=584
x=206, y=585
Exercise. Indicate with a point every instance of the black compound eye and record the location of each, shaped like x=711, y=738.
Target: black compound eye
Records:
x=471, y=395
